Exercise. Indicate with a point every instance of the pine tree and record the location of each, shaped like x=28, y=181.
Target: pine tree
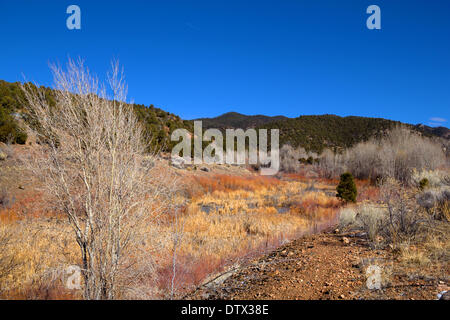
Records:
x=346, y=189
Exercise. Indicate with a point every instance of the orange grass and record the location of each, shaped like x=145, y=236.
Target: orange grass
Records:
x=304, y=178
x=28, y=206
x=244, y=221
x=221, y=182
x=233, y=218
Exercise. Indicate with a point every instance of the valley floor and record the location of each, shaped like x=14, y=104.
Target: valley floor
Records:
x=231, y=216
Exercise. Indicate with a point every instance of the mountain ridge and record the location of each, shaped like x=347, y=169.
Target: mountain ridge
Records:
x=235, y=120
x=317, y=132
x=440, y=130
x=313, y=132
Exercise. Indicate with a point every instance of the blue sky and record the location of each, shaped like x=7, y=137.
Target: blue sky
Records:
x=203, y=58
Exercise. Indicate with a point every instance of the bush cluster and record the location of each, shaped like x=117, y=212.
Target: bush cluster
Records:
x=346, y=189
x=396, y=155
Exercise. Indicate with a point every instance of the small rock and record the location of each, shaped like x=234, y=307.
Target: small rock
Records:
x=3, y=156
x=336, y=230
x=206, y=295
x=345, y=240
x=444, y=295
x=178, y=162
x=341, y=296
x=21, y=187
x=206, y=169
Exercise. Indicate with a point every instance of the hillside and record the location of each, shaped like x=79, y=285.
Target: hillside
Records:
x=157, y=122
x=237, y=120
x=442, y=132
x=314, y=133
x=317, y=132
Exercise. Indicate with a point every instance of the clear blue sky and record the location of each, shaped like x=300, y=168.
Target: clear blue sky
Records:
x=203, y=58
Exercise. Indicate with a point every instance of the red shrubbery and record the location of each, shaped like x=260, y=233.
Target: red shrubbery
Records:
x=199, y=185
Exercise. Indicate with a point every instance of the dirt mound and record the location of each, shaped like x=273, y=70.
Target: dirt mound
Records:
x=324, y=266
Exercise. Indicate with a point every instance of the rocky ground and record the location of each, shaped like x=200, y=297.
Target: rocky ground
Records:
x=327, y=266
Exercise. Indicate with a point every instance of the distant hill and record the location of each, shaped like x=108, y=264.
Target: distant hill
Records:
x=317, y=132
x=314, y=133
x=157, y=122
x=442, y=132
x=237, y=120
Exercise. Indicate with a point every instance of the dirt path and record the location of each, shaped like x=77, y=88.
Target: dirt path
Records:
x=324, y=266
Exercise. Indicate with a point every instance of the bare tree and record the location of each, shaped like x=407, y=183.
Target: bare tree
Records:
x=291, y=159
x=331, y=164
x=395, y=155
x=177, y=237
x=95, y=169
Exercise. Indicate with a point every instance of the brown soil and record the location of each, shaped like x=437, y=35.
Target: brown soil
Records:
x=326, y=266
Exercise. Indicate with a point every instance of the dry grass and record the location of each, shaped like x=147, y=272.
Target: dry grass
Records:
x=412, y=222
x=432, y=246
x=428, y=256
x=305, y=177
x=367, y=191
x=413, y=255
x=42, y=249
x=228, y=219
x=231, y=217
